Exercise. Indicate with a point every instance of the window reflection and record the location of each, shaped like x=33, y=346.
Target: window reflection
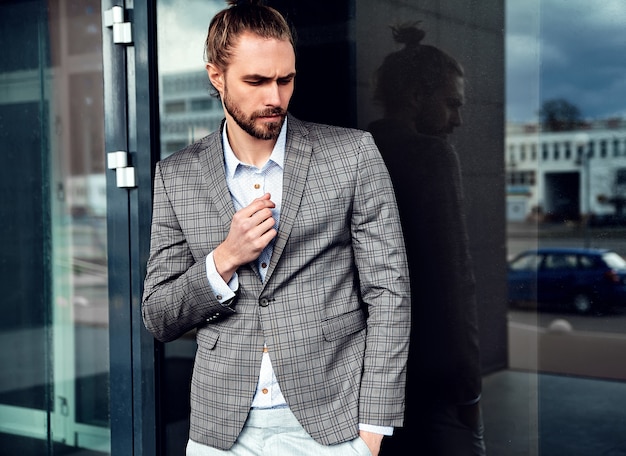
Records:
x=564, y=95
x=54, y=335
x=187, y=113
x=555, y=180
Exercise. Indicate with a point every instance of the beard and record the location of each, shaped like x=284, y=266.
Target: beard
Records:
x=266, y=130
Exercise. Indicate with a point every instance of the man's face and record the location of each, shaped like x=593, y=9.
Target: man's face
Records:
x=440, y=113
x=257, y=85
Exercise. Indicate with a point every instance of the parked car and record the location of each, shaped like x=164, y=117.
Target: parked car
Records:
x=579, y=278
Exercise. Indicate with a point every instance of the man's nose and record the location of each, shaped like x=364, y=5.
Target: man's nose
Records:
x=272, y=94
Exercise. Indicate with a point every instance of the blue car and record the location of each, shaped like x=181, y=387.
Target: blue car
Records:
x=578, y=278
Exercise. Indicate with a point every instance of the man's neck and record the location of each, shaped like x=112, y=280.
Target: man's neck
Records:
x=247, y=148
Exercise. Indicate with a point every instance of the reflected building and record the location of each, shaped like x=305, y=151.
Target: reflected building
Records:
x=188, y=112
x=566, y=175
x=54, y=267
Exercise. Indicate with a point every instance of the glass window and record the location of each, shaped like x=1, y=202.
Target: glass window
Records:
x=54, y=343
x=557, y=261
x=202, y=104
x=588, y=116
x=173, y=107
x=613, y=260
x=558, y=207
x=183, y=87
x=528, y=262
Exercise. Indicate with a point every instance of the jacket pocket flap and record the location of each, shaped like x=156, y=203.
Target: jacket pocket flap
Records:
x=207, y=338
x=343, y=325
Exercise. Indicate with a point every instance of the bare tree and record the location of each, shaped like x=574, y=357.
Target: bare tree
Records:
x=559, y=115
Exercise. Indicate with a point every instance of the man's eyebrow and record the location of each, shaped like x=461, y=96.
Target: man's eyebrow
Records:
x=260, y=77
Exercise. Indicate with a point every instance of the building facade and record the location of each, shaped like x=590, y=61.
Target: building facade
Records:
x=566, y=176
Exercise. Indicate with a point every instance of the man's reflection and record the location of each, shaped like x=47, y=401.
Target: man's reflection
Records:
x=421, y=90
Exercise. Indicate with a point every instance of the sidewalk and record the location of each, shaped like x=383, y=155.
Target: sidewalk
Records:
x=530, y=414
x=563, y=394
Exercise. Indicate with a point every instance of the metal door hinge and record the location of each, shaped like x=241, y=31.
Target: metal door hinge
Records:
x=122, y=31
x=124, y=174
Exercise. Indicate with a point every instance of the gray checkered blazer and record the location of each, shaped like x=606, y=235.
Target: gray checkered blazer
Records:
x=334, y=309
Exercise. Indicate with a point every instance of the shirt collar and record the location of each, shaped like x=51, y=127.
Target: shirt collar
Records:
x=277, y=156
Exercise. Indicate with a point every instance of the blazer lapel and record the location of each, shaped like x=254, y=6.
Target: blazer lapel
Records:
x=214, y=174
x=212, y=168
x=298, y=151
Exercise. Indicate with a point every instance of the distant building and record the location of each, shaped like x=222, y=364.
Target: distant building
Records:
x=567, y=175
x=188, y=111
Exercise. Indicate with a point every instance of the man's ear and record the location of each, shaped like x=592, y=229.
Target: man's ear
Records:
x=216, y=76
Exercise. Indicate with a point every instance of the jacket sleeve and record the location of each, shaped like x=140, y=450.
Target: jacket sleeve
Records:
x=177, y=296
x=384, y=284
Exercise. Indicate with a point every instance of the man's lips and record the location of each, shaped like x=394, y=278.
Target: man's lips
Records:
x=271, y=117
x=271, y=113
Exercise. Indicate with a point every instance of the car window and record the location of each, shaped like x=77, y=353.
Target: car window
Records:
x=560, y=261
x=588, y=262
x=529, y=262
x=613, y=260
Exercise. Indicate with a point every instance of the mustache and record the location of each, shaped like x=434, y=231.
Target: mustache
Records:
x=277, y=111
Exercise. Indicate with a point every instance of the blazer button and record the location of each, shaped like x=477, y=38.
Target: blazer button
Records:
x=264, y=302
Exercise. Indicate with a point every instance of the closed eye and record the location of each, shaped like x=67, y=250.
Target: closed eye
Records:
x=285, y=81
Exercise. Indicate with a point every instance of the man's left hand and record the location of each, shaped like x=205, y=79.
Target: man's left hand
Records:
x=373, y=441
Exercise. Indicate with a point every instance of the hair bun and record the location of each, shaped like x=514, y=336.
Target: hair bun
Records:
x=408, y=34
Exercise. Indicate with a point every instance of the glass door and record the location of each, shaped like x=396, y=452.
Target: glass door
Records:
x=187, y=112
x=54, y=384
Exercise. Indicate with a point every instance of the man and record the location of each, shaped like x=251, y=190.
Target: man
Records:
x=421, y=89
x=280, y=241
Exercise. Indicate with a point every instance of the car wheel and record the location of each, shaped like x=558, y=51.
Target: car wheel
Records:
x=582, y=303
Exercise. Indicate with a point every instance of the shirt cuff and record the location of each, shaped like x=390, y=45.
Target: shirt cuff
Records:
x=223, y=291
x=384, y=430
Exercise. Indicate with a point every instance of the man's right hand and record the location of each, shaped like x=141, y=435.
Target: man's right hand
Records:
x=251, y=230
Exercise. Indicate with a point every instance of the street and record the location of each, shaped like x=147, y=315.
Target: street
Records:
x=565, y=386
x=564, y=341
x=613, y=323
x=522, y=236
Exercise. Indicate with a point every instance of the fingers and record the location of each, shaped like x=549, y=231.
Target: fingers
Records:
x=261, y=230
x=251, y=230
x=258, y=204
x=257, y=216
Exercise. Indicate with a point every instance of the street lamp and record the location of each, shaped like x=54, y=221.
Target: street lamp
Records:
x=583, y=156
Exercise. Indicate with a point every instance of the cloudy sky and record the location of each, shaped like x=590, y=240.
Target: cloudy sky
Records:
x=182, y=31
x=571, y=49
